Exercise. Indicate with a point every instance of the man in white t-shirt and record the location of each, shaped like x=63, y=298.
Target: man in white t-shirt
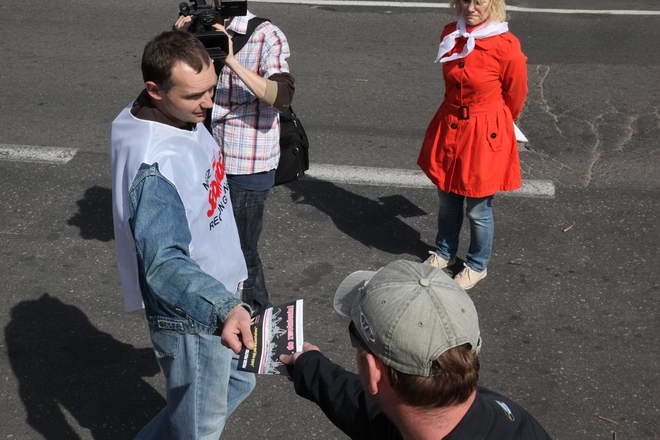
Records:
x=178, y=249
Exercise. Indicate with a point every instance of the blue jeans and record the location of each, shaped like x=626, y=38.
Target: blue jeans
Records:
x=482, y=228
x=203, y=386
x=248, y=208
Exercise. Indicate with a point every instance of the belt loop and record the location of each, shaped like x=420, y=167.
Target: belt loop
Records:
x=465, y=112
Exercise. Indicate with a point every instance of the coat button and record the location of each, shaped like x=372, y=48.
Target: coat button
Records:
x=493, y=135
x=458, y=86
x=461, y=64
x=454, y=126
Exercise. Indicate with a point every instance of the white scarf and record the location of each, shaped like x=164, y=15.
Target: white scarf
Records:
x=489, y=30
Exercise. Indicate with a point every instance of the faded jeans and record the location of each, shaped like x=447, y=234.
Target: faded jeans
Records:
x=482, y=228
x=203, y=386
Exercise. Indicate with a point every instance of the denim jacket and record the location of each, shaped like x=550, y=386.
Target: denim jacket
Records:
x=178, y=295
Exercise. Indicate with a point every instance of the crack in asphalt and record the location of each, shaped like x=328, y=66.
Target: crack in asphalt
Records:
x=626, y=130
x=545, y=105
x=630, y=132
x=611, y=130
x=595, y=150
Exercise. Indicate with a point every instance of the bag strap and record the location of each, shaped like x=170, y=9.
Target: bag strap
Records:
x=240, y=40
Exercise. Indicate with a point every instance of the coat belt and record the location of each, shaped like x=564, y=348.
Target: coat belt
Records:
x=464, y=111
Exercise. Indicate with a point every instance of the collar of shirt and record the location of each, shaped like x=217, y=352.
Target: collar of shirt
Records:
x=476, y=423
x=239, y=24
x=144, y=108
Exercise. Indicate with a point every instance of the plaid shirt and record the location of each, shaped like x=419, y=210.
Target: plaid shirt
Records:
x=248, y=130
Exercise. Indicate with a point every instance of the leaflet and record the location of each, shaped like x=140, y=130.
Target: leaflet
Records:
x=277, y=330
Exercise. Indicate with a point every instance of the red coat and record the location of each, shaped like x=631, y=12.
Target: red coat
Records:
x=470, y=146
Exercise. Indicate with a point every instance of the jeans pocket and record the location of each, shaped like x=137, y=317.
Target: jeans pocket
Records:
x=166, y=343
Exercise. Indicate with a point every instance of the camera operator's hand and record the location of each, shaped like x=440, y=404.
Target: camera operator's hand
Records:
x=230, y=44
x=183, y=23
x=263, y=88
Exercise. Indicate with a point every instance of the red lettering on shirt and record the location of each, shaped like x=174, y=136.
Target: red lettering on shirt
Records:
x=215, y=189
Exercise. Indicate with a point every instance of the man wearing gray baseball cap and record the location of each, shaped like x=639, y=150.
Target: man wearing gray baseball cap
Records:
x=417, y=338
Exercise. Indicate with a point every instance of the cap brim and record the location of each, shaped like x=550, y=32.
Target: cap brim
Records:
x=347, y=294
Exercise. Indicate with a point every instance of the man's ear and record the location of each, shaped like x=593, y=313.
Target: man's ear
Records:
x=376, y=373
x=154, y=90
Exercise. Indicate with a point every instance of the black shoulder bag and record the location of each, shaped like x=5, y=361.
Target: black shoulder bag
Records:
x=294, y=145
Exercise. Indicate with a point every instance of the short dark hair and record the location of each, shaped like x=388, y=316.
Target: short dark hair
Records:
x=456, y=374
x=161, y=53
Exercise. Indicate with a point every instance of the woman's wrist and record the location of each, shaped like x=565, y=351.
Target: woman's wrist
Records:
x=231, y=62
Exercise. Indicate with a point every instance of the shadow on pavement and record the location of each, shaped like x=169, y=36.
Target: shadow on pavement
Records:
x=374, y=223
x=70, y=372
x=95, y=214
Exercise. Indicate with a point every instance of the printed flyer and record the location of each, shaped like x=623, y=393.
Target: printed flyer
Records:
x=277, y=330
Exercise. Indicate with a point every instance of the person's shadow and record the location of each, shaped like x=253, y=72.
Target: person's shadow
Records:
x=69, y=370
x=94, y=216
x=374, y=223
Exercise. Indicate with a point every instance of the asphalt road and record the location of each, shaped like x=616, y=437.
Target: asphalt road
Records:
x=569, y=311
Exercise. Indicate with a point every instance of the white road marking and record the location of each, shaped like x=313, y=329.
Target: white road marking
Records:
x=582, y=11
x=406, y=178
x=342, y=174
x=33, y=153
x=387, y=4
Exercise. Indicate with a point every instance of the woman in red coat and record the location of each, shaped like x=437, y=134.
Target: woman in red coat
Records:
x=470, y=150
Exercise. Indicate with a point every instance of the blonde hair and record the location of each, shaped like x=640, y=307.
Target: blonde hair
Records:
x=497, y=8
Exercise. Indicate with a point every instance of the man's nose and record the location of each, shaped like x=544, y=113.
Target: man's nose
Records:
x=207, y=102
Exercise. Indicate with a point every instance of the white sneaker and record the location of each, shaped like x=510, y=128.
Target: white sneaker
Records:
x=468, y=278
x=436, y=260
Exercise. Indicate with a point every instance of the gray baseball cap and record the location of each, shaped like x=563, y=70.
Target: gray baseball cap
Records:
x=408, y=314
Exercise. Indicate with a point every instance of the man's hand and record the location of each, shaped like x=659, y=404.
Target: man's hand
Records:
x=183, y=23
x=290, y=359
x=236, y=330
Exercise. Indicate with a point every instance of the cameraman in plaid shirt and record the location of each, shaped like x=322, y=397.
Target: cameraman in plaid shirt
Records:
x=252, y=86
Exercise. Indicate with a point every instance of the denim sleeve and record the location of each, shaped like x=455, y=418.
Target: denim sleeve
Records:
x=162, y=239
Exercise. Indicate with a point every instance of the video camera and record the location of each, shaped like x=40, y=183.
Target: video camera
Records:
x=205, y=16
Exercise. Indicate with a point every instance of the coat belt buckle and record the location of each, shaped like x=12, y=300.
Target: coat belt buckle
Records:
x=464, y=112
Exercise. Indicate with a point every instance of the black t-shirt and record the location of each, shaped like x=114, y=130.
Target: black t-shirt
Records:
x=340, y=396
